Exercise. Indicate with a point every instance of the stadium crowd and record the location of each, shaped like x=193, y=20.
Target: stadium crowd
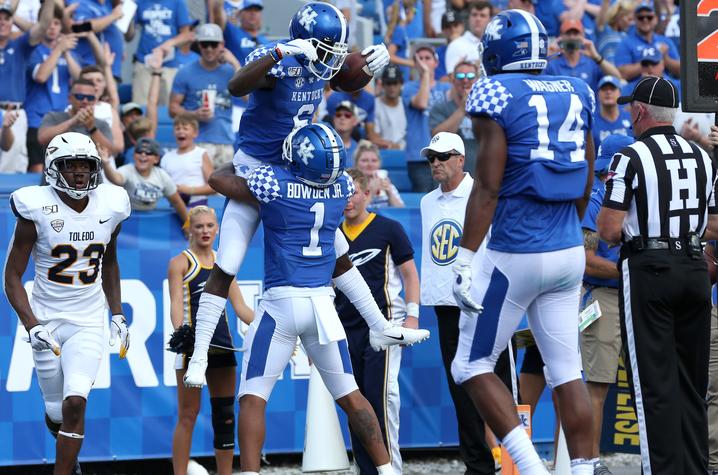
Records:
x=164, y=133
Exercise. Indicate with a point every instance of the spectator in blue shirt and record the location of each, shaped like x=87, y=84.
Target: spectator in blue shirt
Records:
x=630, y=52
x=344, y=119
x=451, y=28
x=200, y=91
x=397, y=38
x=14, y=54
x=612, y=24
x=101, y=15
x=49, y=71
x=165, y=25
x=579, y=57
x=653, y=64
x=419, y=97
x=364, y=103
x=610, y=119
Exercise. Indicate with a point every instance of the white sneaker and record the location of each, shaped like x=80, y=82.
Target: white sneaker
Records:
x=393, y=335
x=194, y=376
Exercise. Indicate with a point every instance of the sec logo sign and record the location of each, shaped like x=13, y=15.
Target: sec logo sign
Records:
x=445, y=237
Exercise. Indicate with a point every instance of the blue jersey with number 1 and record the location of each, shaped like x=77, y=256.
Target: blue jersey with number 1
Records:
x=545, y=120
x=300, y=223
x=273, y=113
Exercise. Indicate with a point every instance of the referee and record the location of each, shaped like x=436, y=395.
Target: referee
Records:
x=659, y=201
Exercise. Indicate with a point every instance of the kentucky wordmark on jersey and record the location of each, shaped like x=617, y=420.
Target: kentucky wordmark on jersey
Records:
x=69, y=249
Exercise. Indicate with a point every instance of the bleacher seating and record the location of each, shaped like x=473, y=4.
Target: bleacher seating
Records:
x=394, y=161
x=165, y=135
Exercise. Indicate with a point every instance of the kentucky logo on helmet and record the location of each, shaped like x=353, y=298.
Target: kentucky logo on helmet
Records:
x=307, y=17
x=493, y=30
x=306, y=150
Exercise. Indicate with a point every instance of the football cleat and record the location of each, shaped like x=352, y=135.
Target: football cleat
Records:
x=395, y=335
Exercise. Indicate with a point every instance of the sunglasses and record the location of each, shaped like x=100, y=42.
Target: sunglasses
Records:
x=84, y=97
x=146, y=152
x=344, y=115
x=645, y=17
x=208, y=44
x=462, y=76
x=442, y=157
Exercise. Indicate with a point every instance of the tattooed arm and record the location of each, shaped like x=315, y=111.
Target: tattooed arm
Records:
x=597, y=266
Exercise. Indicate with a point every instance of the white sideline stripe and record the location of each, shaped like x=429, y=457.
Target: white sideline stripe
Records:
x=534, y=33
x=631, y=342
x=335, y=151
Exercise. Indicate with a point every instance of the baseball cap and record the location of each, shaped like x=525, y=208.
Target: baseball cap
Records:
x=655, y=91
x=609, y=147
x=348, y=105
x=609, y=80
x=209, y=32
x=568, y=25
x=644, y=6
x=444, y=142
x=449, y=18
x=148, y=145
x=651, y=55
x=129, y=107
x=425, y=46
x=392, y=73
x=252, y=3
x=6, y=7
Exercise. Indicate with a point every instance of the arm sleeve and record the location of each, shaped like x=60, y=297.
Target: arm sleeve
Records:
x=263, y=184
x=18, y=207
x=401, y=250
x=619, y=185
x=623, y=54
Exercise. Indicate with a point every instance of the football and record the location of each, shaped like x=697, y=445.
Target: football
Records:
x=351, y=77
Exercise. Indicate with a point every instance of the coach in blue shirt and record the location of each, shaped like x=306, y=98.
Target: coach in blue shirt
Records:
x=579, y=57
x=642, y=35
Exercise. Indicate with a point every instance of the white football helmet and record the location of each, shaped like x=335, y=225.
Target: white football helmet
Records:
x=71, y=146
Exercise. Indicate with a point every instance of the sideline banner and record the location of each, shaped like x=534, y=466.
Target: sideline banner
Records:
x=131, y=410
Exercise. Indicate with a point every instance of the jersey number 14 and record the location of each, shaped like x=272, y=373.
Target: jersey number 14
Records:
x=571, y=129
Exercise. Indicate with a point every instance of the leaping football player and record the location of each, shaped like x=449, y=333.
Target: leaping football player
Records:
x=533, y=181
x=70, y=227
x=285, y=82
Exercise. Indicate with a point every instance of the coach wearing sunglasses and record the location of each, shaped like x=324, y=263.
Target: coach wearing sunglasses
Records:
x=80, y=117
x=449, y=115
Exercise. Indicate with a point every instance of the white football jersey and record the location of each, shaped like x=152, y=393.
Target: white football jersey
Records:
x=69, y=249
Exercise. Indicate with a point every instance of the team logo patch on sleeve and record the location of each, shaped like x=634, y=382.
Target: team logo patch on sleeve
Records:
x=488, y=97
x=264, y=184
x=445, y=239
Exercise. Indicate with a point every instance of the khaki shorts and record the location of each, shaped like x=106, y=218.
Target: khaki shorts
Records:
x=601, y=341
x=219, y=154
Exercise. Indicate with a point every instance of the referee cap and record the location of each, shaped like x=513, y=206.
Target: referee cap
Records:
x=654, y=91
x=609, y=147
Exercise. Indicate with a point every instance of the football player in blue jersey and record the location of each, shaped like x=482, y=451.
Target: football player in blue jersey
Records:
x=533, y=181
x=285, y=81
x=301, y=206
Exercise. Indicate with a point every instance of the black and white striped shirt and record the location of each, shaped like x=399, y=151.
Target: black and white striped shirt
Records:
x=665, y=183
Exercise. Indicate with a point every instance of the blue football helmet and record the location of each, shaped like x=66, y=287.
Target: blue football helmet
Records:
x=514, y=40
x=316, y=154
x=325, y=26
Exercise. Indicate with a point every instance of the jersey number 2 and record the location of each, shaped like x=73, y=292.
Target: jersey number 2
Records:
x=57, y=273
x=313, y=249
x=570, y=131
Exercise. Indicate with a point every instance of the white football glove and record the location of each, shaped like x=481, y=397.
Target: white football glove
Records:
x=118, y=328
x=462, y=282
x=296, y=47
x=377, y=57
x=194, y=376
x=41, y=340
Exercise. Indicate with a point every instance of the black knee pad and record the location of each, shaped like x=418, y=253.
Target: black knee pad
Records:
x=223, y=422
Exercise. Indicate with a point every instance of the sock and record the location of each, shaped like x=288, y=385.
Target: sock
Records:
x=582, y=466
x=385, y=469
x=353, y=285
x=522, y=452
x=208, y=313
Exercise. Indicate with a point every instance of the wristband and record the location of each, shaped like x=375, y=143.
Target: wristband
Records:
x=276, y=55
x=157, y=74
x=412, y=309
x=600, y=60
x=92, y=131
